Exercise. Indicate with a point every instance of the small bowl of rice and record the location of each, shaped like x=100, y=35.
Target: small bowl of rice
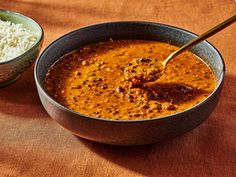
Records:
x=21, y=39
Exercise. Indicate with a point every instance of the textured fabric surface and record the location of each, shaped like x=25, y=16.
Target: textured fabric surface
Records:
x=33, y=145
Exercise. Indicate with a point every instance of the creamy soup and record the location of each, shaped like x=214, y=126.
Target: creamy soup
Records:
x=92, y=80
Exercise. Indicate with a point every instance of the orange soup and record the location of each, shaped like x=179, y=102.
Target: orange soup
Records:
x=91, y=81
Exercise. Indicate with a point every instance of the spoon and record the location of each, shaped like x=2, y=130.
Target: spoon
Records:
x=156, y=71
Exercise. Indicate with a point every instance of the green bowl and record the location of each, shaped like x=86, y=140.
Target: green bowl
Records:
x=12, y=69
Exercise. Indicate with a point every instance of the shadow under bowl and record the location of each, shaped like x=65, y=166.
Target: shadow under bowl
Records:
x=12, y=69
x=118, y=132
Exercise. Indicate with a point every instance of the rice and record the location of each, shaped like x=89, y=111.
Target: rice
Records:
x=14, y=40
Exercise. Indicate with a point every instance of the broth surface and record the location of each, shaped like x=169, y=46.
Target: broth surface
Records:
x=91, y=81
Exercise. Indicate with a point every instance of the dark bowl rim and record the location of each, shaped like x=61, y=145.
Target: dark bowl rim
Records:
x=42, y=90
x=32, y=47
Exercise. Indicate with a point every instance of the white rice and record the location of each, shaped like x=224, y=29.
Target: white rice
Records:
x=14, y=40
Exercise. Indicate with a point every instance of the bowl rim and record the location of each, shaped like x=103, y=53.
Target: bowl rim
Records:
x=35, y=44
x=52, y=100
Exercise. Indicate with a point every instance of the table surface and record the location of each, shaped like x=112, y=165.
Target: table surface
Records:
x=32, y=144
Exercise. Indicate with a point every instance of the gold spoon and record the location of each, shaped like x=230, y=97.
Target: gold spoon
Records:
x=190, y=44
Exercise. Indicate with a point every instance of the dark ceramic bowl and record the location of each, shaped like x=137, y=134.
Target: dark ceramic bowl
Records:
x=128, y=132
x=11, y=70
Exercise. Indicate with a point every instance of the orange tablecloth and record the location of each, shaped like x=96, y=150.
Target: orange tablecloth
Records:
x=33, y=145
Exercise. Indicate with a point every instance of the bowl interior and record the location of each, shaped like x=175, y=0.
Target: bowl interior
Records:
x=126, y=30
x=27, y=22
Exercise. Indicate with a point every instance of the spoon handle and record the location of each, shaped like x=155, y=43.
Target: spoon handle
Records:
x=202, y=37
